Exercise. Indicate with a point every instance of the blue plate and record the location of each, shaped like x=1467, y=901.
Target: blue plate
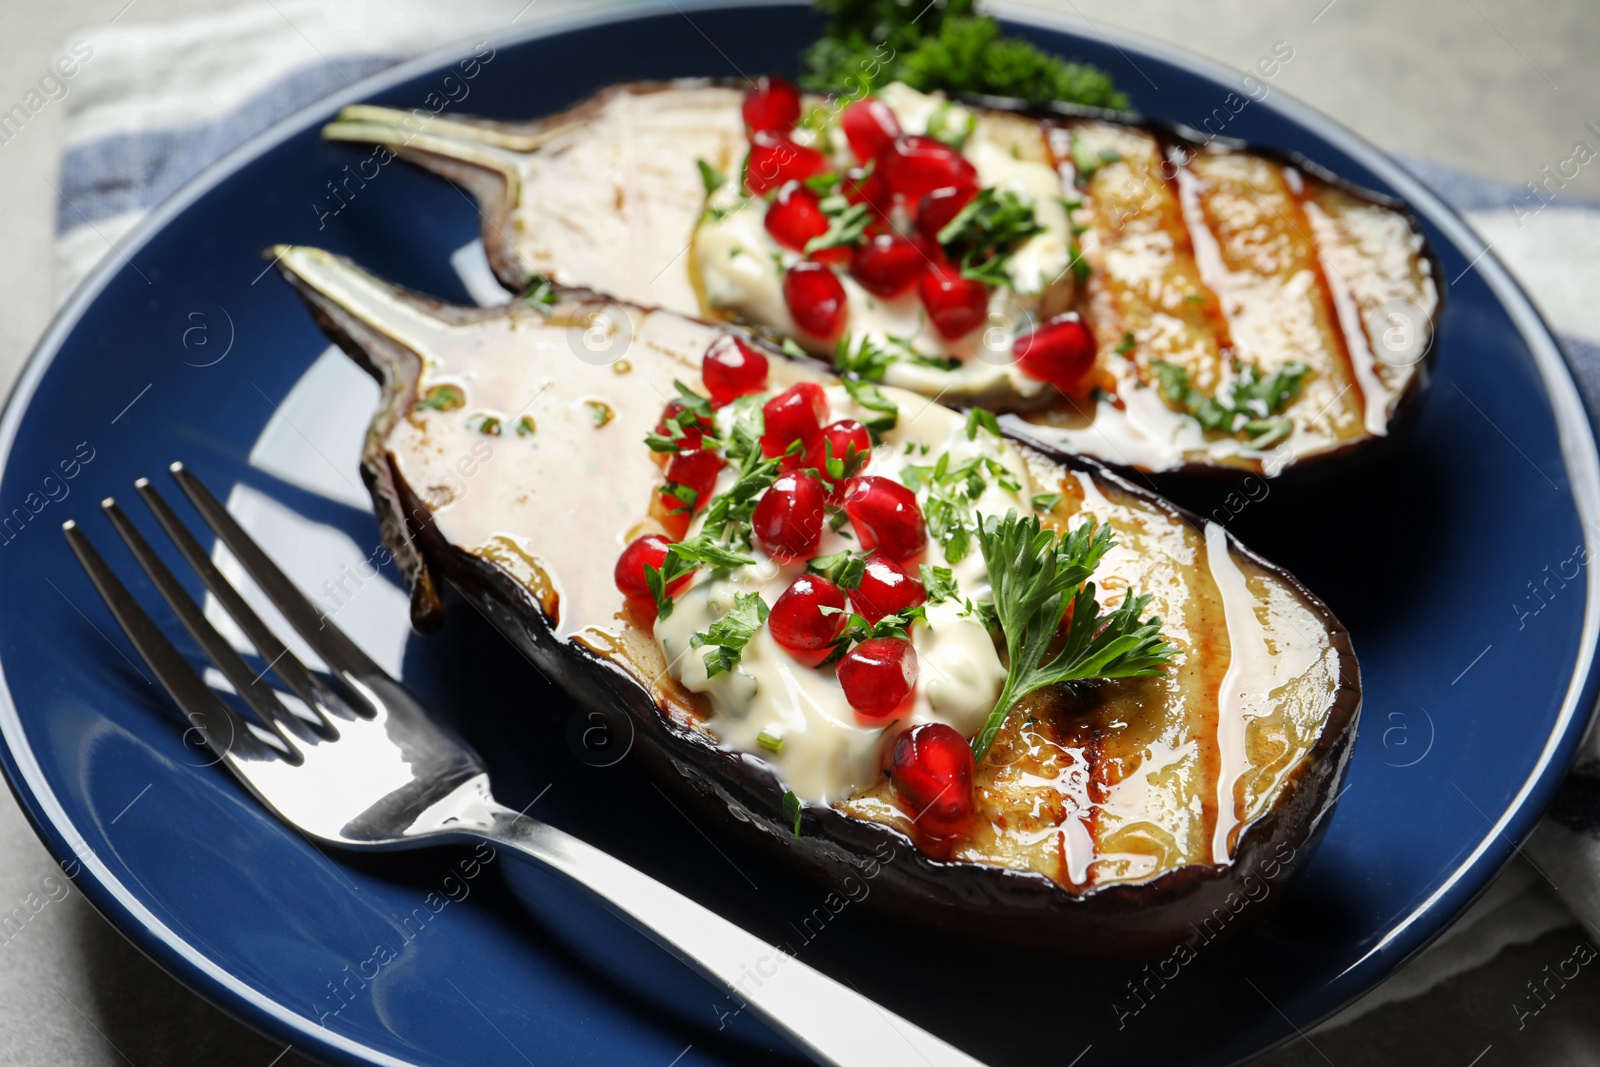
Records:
x=1459, y=567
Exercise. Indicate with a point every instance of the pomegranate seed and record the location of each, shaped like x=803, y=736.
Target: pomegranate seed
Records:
x=940, y=206
x=649, y=550
x=795, y=414
x=846, y=442
x=695, y=469
x=774, y=160
x=869, y=124
x=731, y=369
x=1060, y=351
x=956, y=305
x=797, y=620
x=870, y=189
x=878, y=675
x=887, y=265
x=885, y=589
x=816, y=298
x=932, y=772
x=795, y=217
x=914, y=166
x=789, y=517
x=885, y=516
x=773, y=106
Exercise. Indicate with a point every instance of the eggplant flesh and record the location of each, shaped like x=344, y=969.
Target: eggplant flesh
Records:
x=1111, y=822
x=1206, y=255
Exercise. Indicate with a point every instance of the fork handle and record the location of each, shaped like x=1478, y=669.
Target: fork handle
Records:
x=830, y=1022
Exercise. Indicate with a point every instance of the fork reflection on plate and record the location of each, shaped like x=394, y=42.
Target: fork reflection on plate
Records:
x=365, y=766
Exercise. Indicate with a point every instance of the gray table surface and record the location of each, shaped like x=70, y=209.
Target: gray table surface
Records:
x=1496, y=86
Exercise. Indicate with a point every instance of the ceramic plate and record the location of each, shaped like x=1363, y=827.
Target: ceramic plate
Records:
x=1477, y=688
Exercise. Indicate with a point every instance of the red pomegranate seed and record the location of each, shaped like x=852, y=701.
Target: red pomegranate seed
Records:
x=795, y=414
x=914, y=166
x=649, y=550
x=878, y=675
x=869, y=124
x=795, y=217
x=932, y=772
x=1060, y=351
x=695, y=469
x=731, y=369
x=956, y=305
x=887, y=265
x=797, y=620
x=773, y=106
x=775, y=159
x=816, y=298
x=789, y=517
x=885, y=589
x=940, y=206
x=849, y=444
x=885, y=517
x=870, y=189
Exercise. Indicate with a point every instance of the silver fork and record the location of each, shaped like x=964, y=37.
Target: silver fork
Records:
x=377, y=771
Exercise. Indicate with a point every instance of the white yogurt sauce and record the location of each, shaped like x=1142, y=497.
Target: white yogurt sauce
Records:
x=740, y=269
x=826, y=755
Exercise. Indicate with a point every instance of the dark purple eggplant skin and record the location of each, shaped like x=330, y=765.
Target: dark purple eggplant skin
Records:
x=739, y=796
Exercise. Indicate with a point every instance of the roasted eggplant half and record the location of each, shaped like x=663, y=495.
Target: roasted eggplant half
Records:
x=1134, y=292
x=546, y=457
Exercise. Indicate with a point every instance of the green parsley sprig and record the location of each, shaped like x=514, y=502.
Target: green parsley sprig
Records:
x=1037, y=575
x=946, y=45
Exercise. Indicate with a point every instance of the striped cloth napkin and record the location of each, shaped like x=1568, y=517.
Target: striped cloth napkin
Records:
x=155, y=104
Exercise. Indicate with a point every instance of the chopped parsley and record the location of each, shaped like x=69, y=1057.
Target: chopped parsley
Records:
x=442, y=398
x=1045, y=501
x=846, y=223
x=939, y=583
x=981, y=419
x=843, y=569
x=1249, y=405
x=871, y=397
x=985, y=231
x=1037, y=577
x=792, y=807
x=866, y=360
x=726, y=638
x=858, y=629
x=686, y=557
x=949, y=494
x=1125, y=345
x=539, y=293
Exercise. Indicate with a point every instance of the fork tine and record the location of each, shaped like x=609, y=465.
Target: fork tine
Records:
x=317, y=695
x=319, y=631
x=222, y=729
x=251, y=689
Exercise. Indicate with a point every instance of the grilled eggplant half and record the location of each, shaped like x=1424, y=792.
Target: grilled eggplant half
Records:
x=1116, y=817
x=1133, y=292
